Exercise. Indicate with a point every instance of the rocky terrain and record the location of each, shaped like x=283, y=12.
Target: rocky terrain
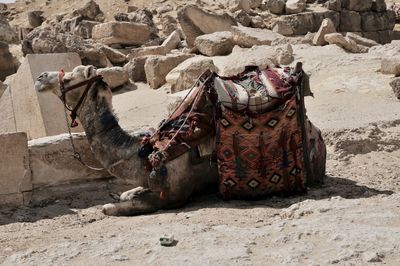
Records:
x=154, y=50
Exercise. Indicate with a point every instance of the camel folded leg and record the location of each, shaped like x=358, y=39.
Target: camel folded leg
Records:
x=135, y=202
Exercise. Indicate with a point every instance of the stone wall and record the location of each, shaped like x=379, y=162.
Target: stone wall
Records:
x=370, y=18
x=30, y=170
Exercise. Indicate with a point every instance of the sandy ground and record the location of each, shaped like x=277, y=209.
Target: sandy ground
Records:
x=353, y=219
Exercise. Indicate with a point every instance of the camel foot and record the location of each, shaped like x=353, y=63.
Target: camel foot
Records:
x=134, y=202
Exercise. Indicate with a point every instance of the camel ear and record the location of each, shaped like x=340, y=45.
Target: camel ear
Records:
x=89, y=72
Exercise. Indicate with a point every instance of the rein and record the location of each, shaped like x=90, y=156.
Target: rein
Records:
x=74, y=111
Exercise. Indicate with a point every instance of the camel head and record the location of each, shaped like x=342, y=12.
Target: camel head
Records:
x=49, y=81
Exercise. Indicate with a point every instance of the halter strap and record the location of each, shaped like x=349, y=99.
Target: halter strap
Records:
x=64, y=90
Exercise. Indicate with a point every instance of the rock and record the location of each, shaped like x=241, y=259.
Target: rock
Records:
x=236, y=5
x=217, y=43
x=141, y=16
x=276, y=6
x=395, y=84
x=83, y=28
x=135, y=69
x=172, y=41
x=326, y=28
x=390, y=64
x=7, y=34
x=186, y=73
x=114, y=76
x=242, y=17
x=257, y=22
x=44, y=41
x=255, y=3
x=90, y=11
x=360, y=40
x=335, y=5
x=261, y=56
x=357, y=5
x=124, y=33
x=35, y=18
x=350, y=21
x=371, y=257
x=302, y=23
x=345, y=43
x=374, y=21
x=168, y=24
x=295, y=6
x=378, y=5
x=8, y=63
x=247, y=37
x=115, y=56
x=157, y=68
x=382, y=37
x=195, y=22
x=149, y=50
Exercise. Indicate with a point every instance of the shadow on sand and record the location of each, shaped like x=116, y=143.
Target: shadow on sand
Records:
x=99, y=194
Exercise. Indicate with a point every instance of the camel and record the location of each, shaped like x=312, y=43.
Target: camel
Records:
x=117, y=150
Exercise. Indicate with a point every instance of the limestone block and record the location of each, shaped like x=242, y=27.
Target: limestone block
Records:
x=377, y=21
x=52, y=162
x=295, y=6
x=15, y=174
x=217, y=43
x=390, y=64
x=360, y=40
x=345, y=43
x=395, y=84
x=350, y=21
x=114, y=76
x=157, y=68
x=247, y=37
x=382, y=37
x=326, y=28
x=357, y=5
x=125, y=33
x=276, y=6
x=379, y=5
x=37, y=114
x=186, y=73
x=135, y=68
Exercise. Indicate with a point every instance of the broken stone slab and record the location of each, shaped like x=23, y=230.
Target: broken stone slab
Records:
x=195, y=22
x=381, y=37
x=378, y=5
x=15, y=174
x=35, y=18
x=346, y=43
x=335, y=5
x=276, y=6
x=295, y=6
x=115, y=56
x=25, y=110
x=186, y=73
x=390, y=64
x=235, y=5
x=258, y=55
x=52, y=162
x=361, y=40
x=90, y=11
x=327, y=27
x=242, y=18
x=357, y=5
x=217, y=43
x=114, y=76
x=395, y=84
x=247, y=37
x=350, y=21
x=8, y=63
x=83, y=28
x=123, y=33
x=172, y=41
x=157, y=68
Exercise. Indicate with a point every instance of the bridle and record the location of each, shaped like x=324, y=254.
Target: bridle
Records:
x=64, y=90
x=74, y=111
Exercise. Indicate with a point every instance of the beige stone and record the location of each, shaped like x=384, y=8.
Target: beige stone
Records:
x=135, y=68
x=149, y=50
x=157, y=68
x=172, y=41
x=395, y=84
x=295, y=6
x=114, y=76
x=326, y=28
x=390, y=64
x=52, y=162
x=247, y=37
x=15, y=173
x=217, y=43
x=186, y=73
x=125, y=33
x=36, y=114
x=361, y=40
x=345, y=43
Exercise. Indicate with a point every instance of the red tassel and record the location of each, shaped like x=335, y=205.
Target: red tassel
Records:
x=74, y=123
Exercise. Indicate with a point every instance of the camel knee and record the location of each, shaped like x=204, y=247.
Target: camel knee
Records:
x=131, y=194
